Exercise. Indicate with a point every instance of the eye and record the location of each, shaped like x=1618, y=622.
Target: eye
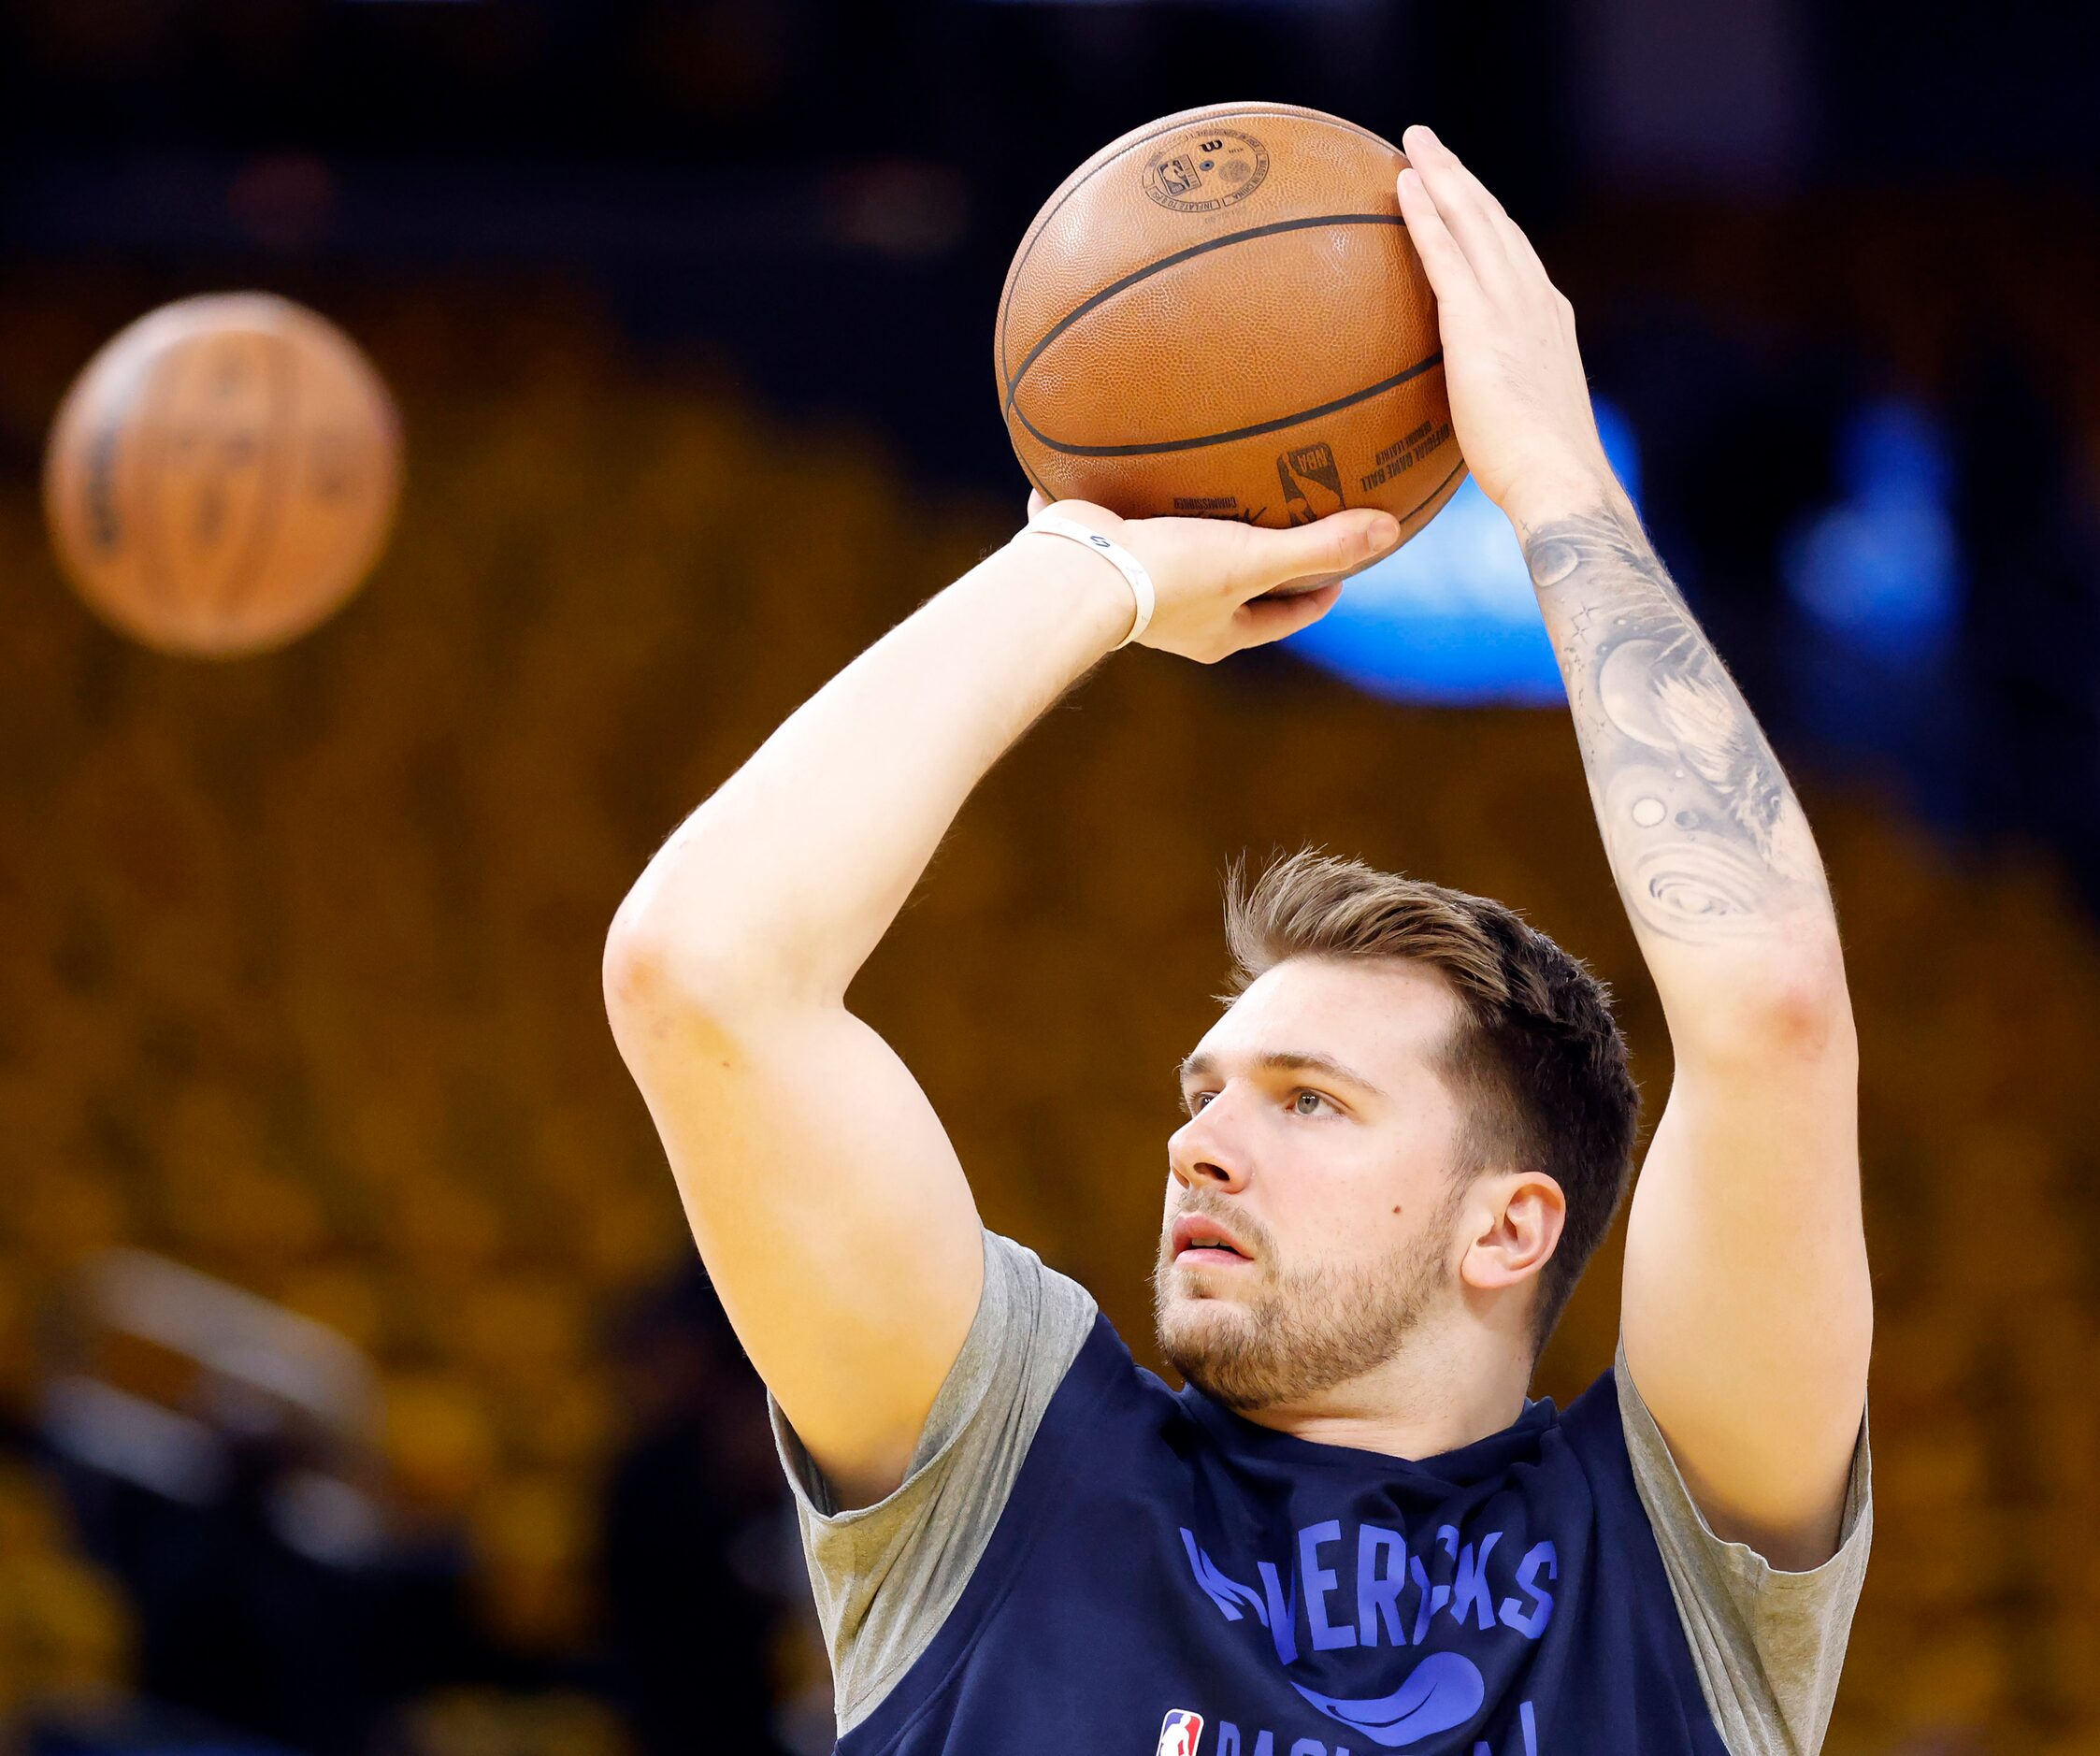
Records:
x=1196, y=1100
x=1298, y=1102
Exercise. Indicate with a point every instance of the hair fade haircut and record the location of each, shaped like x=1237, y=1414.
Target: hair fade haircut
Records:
x=1537, y=1057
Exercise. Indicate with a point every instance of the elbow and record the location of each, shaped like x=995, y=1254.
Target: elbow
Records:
x=666, y=1009
x=666, y=947
x=656, y=969
x=650, y=969
x=1790, y=1006
x=1803, y=1006
x=635, y=967
x=637, y=972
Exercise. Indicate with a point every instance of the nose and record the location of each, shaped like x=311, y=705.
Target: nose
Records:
x=1203, y=1149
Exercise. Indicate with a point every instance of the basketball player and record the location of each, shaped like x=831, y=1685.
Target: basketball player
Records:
x=1350, y=1531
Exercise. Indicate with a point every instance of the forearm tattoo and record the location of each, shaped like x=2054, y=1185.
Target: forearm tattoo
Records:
x=1704, y=836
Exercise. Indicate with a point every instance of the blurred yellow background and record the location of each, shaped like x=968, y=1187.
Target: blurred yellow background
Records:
x=298, y=985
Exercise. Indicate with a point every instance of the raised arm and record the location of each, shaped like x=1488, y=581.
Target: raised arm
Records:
x=1748, y=1311
x=826, y=1198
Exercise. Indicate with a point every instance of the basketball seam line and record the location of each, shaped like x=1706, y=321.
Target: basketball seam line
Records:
x=1416, y=518
x=1256, y=431
x=1165, y=126
x=1182, y=256
x=280, y=373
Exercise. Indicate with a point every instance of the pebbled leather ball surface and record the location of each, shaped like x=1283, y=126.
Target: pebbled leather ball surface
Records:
x=1221, y=315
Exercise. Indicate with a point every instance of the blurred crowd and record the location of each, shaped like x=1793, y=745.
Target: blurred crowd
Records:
x=300, y=1039
x=285, y=1005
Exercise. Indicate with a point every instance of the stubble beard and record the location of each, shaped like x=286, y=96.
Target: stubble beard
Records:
x=1304, y=1332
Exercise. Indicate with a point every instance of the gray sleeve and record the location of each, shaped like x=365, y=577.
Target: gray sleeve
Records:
x=885, y=1576
x=1768, y=1645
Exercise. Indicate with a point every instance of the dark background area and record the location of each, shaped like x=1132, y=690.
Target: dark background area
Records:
x=1767, y=215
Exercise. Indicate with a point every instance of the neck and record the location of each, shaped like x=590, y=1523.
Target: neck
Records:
x=1441, y=1392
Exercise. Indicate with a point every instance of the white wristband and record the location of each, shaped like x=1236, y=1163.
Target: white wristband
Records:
x=1124, y=562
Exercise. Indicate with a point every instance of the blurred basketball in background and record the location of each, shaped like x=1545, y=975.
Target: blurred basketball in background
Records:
x=222, y=475
x=1221, y=315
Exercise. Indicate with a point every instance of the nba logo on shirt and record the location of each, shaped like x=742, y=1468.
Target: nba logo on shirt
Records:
x=1179, y=1732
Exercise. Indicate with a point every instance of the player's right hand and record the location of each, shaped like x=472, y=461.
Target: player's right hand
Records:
x=1222, y=587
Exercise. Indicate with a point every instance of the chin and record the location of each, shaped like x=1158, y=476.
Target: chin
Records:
x=1191, y=1322
x=1190, y=1293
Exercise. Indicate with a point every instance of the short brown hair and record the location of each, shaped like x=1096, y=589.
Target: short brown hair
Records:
x=1537, y=1056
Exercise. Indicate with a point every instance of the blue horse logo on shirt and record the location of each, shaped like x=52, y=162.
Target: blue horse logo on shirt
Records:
x=1448, y=1580
x=1443, y=1691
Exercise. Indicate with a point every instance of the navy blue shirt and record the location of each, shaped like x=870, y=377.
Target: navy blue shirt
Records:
x=1163, y=1576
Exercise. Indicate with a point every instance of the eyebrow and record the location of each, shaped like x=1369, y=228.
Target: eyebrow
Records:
x=1202, y=1066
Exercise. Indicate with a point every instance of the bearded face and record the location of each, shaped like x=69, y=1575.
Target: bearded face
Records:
x=1277, y=1334
x=1313, y=1197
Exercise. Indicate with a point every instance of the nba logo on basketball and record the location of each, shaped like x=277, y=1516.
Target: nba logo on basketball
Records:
x=1177, y=176
x=1179, y=1732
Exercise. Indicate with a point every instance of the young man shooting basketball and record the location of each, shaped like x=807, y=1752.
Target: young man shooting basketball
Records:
x=1350, y=1531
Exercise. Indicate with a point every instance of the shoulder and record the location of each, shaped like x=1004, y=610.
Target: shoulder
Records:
x=1768, y=1644
x=887, y=1577
x=1035, y=1308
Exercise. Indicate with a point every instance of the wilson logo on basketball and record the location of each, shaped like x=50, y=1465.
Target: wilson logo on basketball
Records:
x=1210, y=172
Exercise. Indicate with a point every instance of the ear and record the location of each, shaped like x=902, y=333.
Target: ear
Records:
x=1520, y=1216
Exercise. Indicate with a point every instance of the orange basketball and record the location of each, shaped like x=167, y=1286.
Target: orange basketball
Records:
x=222, y=475
x=1221, y=315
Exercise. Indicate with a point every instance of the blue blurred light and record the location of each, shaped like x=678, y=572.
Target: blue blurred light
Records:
x=1451, y=617
x=1881, y=571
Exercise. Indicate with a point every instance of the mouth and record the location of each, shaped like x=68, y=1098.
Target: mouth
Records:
x=1200, y=1242
x=1210, y=1256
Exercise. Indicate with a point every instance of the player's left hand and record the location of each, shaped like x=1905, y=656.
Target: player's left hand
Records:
x=1520, y=401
